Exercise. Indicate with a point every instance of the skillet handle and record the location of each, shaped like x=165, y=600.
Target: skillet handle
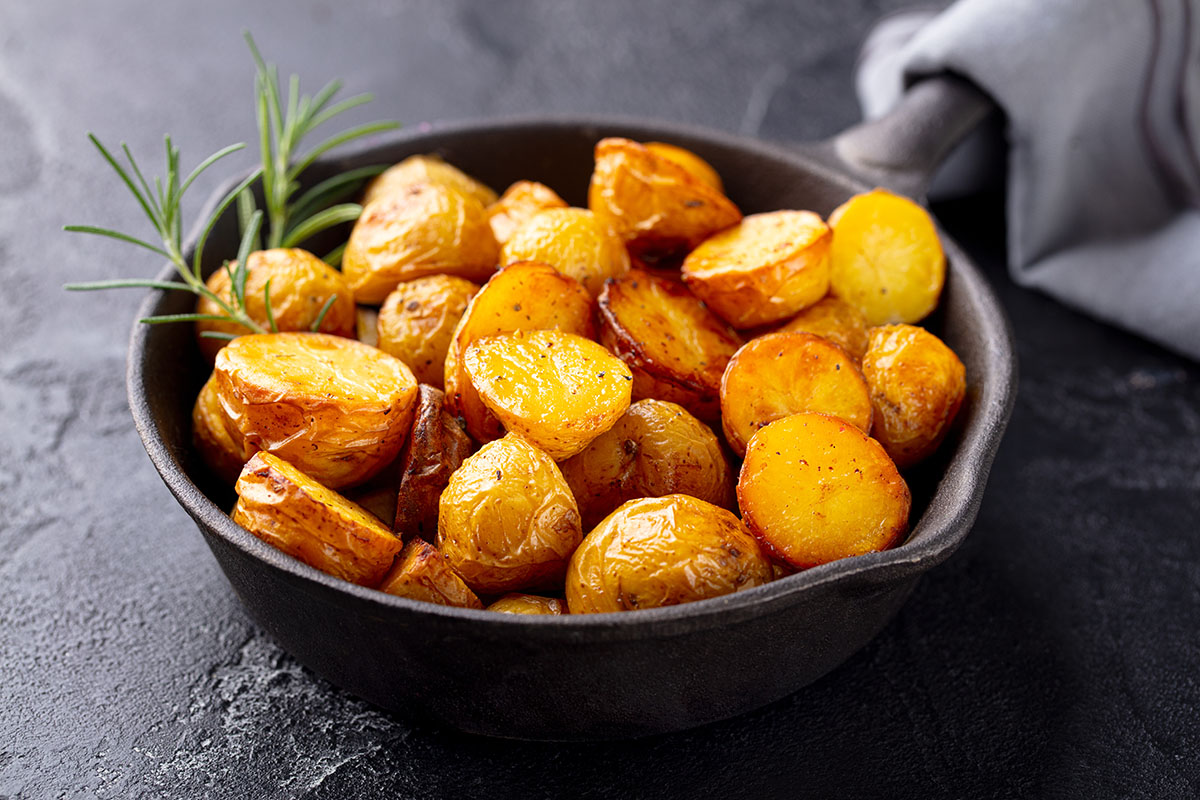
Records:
x=902, y=149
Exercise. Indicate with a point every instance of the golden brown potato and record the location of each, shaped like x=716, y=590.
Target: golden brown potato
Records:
x=367, y=325
x=781, y=374
x=507, y=520
x=557, y=390
x=885, y=258
x=423, y=229
x=292, y=512
x=516, y=603
x=835, y=320
x=336, y=408
x=675, y=347
x=655, y=449
x=425, y=169
x=917, y=386
x=663, y=551
x=518, y=203
x=764, y=269
x=573, y=241
x=653, y=203
x=521, y=297
x=697, y=166
x=437, y=446
x=224, y=455
x=418, y=320
x=814, y=488
x=301, y=284
x=421, y=573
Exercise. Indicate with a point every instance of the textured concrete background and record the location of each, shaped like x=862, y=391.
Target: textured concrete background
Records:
x=1055, y=655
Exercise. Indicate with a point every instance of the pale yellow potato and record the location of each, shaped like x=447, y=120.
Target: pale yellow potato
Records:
x=835, y=320
x=436, y=447
x=425, y=169
x=518, y=203
x=557, y=390
x=418, y=320
x=697, y=166
x=422, y=573
x=367, y=325
x=507, y=521
x=781, y=374
x=814, y=488
x=517, y=603
x=764, y=269
x=573, y=241
x=294, y=513
x=886, y=259
x=223, y=454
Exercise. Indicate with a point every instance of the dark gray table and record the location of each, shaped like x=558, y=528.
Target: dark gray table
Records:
x=1056, y=655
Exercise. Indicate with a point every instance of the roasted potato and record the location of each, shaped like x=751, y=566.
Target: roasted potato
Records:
x=835, y=320
x=336, y=408
x=518, y=203
x=656, y=448
x=301, y=284
x=763, y=269
x=436, y=447
x=423, y=229
x=425, y=169
x=663, y=551
x=917, y=385
x=697, y=166
x=573, y=241
x=885, y=258
x=516, y=603
x=507, y=520
x=367, y=325
x=421, y=573
x=418, y=320
x=557, y=390
x=675, y=347
x=814, y=488
x=520, y=297
x=781, y=374
x=223, y=454
x=294, y=513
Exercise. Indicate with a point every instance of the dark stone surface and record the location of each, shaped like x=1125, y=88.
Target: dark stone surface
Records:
x=1054, y=656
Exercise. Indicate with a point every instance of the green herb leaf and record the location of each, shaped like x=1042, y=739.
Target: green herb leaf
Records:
x=347, y=212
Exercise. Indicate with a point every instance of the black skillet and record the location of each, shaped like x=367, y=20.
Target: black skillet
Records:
x=612, y=675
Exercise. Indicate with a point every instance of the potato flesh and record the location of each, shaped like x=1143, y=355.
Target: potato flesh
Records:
x=557, y=390
x=436, y=447
x=297, y=515
x=223, y=454
x=367, y=325
x=781, y=374
x=814, y=489
x=573, y=241
x=518, y=203
x=418, y=319
x=517, y=603
x=835, y=320
x=421, y=573
x=425, y=169
x=663, y=551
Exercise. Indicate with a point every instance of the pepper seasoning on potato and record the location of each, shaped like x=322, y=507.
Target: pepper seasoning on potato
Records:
x=425, y=169
x=572, y=240
x=835, y=320
x=418, y=320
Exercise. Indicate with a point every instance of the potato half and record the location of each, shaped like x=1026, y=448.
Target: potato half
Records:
x=518, y=203
x=814, y=488
x=422, y=573
x=516, y=603
x=425, y=169
x=663, y=551
x=418, y=320
x=697, y=166
x=572, y=240
x=781, y=374
x=436, y=447
x=223, y=454
x=835, y=320
x=294, y=513
x=336, y=408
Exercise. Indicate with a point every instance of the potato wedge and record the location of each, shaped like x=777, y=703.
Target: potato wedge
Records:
x=294, y=513
x=764, y=269
x=527, y=296
x=781, y=374
x=814, y=488
x=223, y=454
x=557, y=390
x=663, y=551
x=675, y=347
x=516, y=603
x=425, y=169
x=518, y=203
x=697, y=166
x=336, y=408
x=917, y=387
x=418, y=320
x=573, y=241
x=656, y=448
x=835, y=320
x=507, y=520
x=421, y=573
x=436, y=447
x=424, y=229
x=886, y=259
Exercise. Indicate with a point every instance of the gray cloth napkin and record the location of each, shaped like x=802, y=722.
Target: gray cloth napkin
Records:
x=1102, y=99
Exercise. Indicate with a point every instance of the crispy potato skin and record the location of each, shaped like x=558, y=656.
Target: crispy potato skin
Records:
x=423, y=229
x=675, y=347
x=336, y=408
x=886, y=259
x=425, y=169
x=814, y=488
x=516, y=603
x=292, y=512
x=557, y=390
x=781, y=374
x=655, y=449
x=835, y=320
x=764, y=269
x=917, y=387
x=223, y=454
x=301, y=284
x=518, y=203
x=436, y=447
x=521, y=297
x=697, y=166
x=572, y=240
x=663, y=551
x=507, y=520
x=418, y=320
x=421, y=573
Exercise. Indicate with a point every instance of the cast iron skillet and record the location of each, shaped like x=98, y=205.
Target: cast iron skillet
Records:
x=611, y=675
